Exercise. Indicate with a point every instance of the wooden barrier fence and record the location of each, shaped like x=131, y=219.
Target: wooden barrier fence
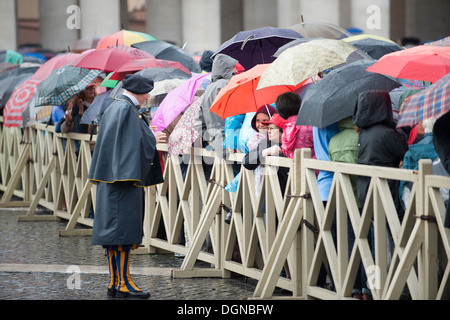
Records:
x=280, y=241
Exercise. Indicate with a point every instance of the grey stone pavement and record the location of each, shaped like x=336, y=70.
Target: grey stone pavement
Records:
x=37, y=264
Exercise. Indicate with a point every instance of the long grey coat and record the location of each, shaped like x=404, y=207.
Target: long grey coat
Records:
x=124, y=161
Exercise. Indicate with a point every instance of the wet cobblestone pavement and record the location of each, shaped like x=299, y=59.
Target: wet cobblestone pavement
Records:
x=37, y=264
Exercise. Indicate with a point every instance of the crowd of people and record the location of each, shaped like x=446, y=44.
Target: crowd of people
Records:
x=125, y=158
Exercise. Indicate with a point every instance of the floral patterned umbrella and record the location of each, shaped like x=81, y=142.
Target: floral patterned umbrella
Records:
x=184, y=135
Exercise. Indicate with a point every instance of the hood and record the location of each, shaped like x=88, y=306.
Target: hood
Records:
x=346, y=123
x=373, y=107
x=222, y=67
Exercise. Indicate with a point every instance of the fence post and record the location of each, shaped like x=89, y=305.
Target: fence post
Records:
x=428, y=262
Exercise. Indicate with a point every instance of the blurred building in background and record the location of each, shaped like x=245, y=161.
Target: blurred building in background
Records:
x=205, y=24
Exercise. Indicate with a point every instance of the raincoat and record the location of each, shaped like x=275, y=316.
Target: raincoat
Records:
x=209, y=125
x=441, y=141
x=343, y=147
x=296, y=137
x=124, y=160
x=380, y=144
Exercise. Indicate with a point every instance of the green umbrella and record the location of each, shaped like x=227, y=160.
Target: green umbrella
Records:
x=62, y=84
x=108, y=82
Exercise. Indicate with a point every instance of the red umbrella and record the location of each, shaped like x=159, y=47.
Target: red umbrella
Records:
x=140, y=64
x=109, y=59
x=240, y=96
x=424, y=63
x=22, y=95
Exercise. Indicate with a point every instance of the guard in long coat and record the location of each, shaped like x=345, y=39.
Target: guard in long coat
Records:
x=125, y=160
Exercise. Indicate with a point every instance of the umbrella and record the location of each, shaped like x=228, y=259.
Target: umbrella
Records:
x=305, y=60
x=159, y=74
x=444, y=42
x=375, y=48
x=425, y=63
x=427, y=103
x=156, y=74
x=177, y=100
x=109, y=59
x=12, y=113
x=22, y=95
x=184, y=135
x=291, y=44
x=167, y=51
x=8, y=85
x=366, y=36
x=108, y=82
x=54, y=63
x=320, y=30
x=18, y=72
x=240, y=96
x=5, y=67
x=256, y=46
x=93, y=114
x=163, y=87
x=139, y=64
x=124, y=37
x=334, y=97
x=62, y=84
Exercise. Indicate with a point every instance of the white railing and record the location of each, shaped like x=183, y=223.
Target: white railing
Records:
x=294, y=235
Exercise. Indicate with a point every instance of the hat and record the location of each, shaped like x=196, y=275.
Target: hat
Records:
x=135, y=83
x=267, y=110
x=206, y=61
x=276, y=120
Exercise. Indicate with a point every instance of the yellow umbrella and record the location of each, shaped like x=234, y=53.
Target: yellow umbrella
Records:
x=366, y=36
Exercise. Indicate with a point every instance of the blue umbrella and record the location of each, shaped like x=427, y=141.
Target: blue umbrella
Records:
x=256, y=46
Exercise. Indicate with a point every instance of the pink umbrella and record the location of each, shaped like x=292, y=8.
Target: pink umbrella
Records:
x=22, y=94
x=109, y=59
x=177, y=101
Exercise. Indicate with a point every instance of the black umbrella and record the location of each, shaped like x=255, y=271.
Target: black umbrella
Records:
x=334, y=97
x=252, y=47
x=376, y=48
x=160, y=74
x=166, y=51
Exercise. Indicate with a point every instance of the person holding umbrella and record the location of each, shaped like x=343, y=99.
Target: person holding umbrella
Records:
x=125, y=160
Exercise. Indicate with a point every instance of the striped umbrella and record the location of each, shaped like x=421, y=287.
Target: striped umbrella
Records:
x=63, y=84
x=428, y=103
x=124, y=37
x=22, y=95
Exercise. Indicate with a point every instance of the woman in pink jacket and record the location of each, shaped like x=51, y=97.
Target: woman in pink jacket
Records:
x=294, y=137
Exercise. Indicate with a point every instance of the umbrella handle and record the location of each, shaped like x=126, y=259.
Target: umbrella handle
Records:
x=245, y=42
